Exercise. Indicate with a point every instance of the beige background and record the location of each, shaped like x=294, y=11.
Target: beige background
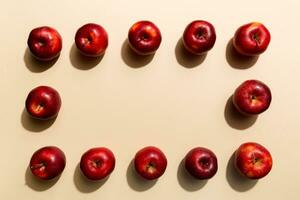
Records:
x=172, y=101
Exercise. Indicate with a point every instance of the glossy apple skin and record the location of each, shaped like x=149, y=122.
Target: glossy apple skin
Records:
x=150, y=162
x=144, y=37
x=201, y=163
x=91, y=40
x=251, y=39
x=199, y=37
x=47, y=162
x=253, y=160
x=97, y=163
x=43, y=103
x=45, y=43
x=252, y=97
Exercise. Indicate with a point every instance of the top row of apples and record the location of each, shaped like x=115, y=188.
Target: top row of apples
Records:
x=144, y=38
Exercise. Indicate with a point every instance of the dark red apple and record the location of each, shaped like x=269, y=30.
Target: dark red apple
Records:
x=199, y=37
x=150, y=162
x=144, y=37
x=45, y=43
x=43, y=102
x=47, y=162
x=201, y=163
x=91, y=40
x=253, y=160
x=97, y=163
x=251, y=39
x=252, y=97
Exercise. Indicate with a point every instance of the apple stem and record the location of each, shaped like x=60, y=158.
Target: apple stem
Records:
x=200, y=35
x=145, y=37
x=151, y=166
x=97, y=163
x=36, y=166
x=256, y=38
x=41, y=43
x=39, y=107
x=87, y=40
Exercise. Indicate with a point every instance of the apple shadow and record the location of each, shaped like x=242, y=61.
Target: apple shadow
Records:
x=37, y=184
x=135, y=181
x=82, y=62
x=187, y=59
x=85, y=185
x=188, y=182
x=236, y=60
x=236, y=180
x=132, y=59
x=235, y=119
x=35, y=65
x=35, y=125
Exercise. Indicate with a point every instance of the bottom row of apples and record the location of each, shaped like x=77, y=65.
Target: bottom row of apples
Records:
x=253, y=160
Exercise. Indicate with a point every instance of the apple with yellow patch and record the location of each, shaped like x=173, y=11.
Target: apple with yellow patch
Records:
x=43, y=103
x=150, y=162
x=252, y=97
x=144, y=37
x=253, y=160
x=251, y=39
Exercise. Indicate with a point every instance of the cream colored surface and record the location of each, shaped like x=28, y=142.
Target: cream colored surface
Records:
x=165, y=103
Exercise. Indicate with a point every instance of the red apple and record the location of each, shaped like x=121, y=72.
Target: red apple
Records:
x=97, y=163
x=144, y=37
x=252, y=97
x=91, y=40
x=150, y=162
x=45, y=43
x=201, y=163
x=199, y=37
x=47, y=162
x=251, y=39
x=253, y=160
x=43, y=102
